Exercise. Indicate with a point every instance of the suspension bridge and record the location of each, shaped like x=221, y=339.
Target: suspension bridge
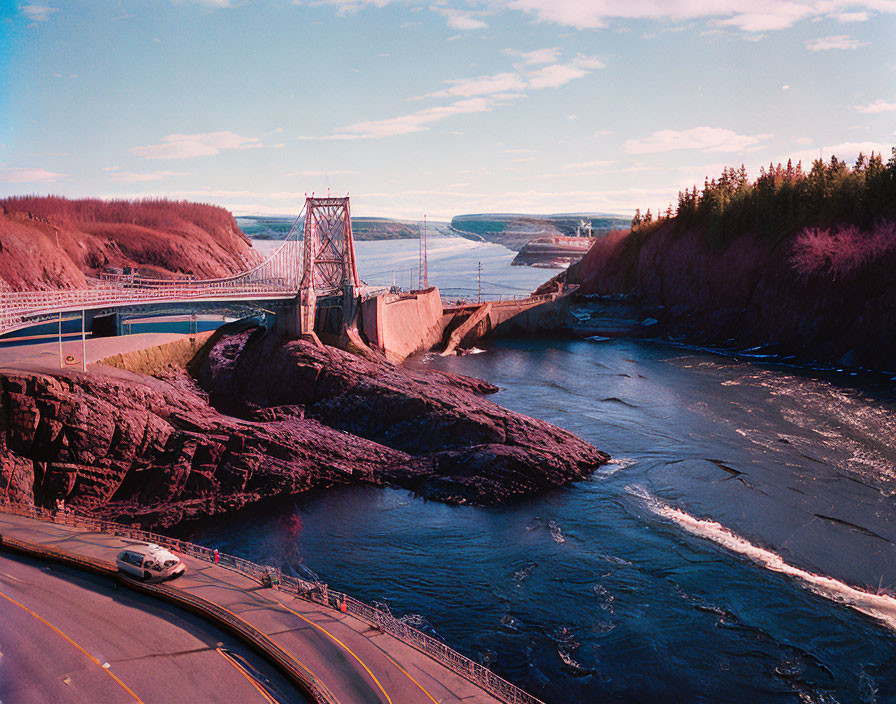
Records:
x=316, y=259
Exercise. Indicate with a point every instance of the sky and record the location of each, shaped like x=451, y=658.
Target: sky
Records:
x=438, y=107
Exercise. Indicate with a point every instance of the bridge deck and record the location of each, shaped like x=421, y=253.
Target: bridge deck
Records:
x=359, y=664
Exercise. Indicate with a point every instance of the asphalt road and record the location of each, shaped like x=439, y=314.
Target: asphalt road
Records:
x=357, y=662
x=66, y=636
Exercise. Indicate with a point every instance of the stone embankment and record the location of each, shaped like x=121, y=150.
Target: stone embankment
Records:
x=267, y=418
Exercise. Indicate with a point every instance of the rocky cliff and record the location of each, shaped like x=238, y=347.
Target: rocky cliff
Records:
x=750, y=293
x=55, y=242
x=268, y=418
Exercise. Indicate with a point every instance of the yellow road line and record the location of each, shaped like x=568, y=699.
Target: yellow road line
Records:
x=408, y=675
x=91, y=657
x=347, y=649
x=239, y=668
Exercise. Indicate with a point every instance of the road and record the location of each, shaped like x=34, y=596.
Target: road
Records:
x=359, y=664
x=67, y=636
x=45, y=355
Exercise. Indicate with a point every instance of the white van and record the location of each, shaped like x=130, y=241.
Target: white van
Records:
x=149, y=561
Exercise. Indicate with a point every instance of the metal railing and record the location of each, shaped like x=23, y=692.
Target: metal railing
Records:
x=496, y=299
x=316, y=592
x=209, y=610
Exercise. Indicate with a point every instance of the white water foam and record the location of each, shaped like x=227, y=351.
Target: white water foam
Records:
x=613, y=465
x=879, y=606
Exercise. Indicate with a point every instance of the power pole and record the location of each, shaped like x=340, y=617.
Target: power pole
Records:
x=425, y=256
x=480, y=282
x=83, y=345
x=61, y=364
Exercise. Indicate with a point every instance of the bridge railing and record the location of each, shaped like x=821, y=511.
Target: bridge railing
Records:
x=451, y=302
x=317, y=592
x=17, y=305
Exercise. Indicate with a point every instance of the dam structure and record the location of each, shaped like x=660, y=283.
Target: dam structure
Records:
x=310, y=284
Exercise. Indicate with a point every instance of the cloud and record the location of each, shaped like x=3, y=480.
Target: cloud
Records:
x=461, y=20
x=481, y=85
x=774, y=17
x=840, y=41
x=538, y=56
x=876, y=107
x=804, y=140
x=591, y=63
x=38, y=13
x=186, y=146
x=704, y=139
x=30, y=176
x=508, y=82
x=554, y=76
x=849, y=151
x=470, y=95
x=406, y=124
x=753, y=16
x=749, y=16
x=129, y=177
x=846, y=151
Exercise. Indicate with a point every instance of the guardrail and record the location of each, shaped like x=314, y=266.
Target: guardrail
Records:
x=316, y=592
x=456, y=303
x=292, y=668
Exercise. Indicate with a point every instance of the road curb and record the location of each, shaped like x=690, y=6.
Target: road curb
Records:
x=227, y=621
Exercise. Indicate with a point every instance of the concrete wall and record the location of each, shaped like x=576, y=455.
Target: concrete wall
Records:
x=520, y=319
x=402, y=325
x=154, y=359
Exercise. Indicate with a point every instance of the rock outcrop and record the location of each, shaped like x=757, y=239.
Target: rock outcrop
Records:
x=277, y=418
x=749, y=295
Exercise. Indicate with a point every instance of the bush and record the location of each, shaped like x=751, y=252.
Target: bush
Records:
x=821, y=251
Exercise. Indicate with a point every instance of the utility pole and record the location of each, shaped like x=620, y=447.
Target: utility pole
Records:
x=61, y=364
x=83, y=344
x=480, y=282
x=419, y=259
x=425, y=256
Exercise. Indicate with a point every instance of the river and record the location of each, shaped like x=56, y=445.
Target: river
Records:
x=739, y=547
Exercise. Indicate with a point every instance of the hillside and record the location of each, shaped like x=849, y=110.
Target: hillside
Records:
x=50, y=242
x=514, y=230
x=794, y=263
x=363, y=228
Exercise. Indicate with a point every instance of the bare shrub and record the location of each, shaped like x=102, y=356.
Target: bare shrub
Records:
x=841, y=253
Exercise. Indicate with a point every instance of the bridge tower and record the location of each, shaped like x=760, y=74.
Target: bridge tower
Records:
x=328, y=255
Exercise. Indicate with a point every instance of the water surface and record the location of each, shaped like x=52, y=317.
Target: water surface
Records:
x=680, y=572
